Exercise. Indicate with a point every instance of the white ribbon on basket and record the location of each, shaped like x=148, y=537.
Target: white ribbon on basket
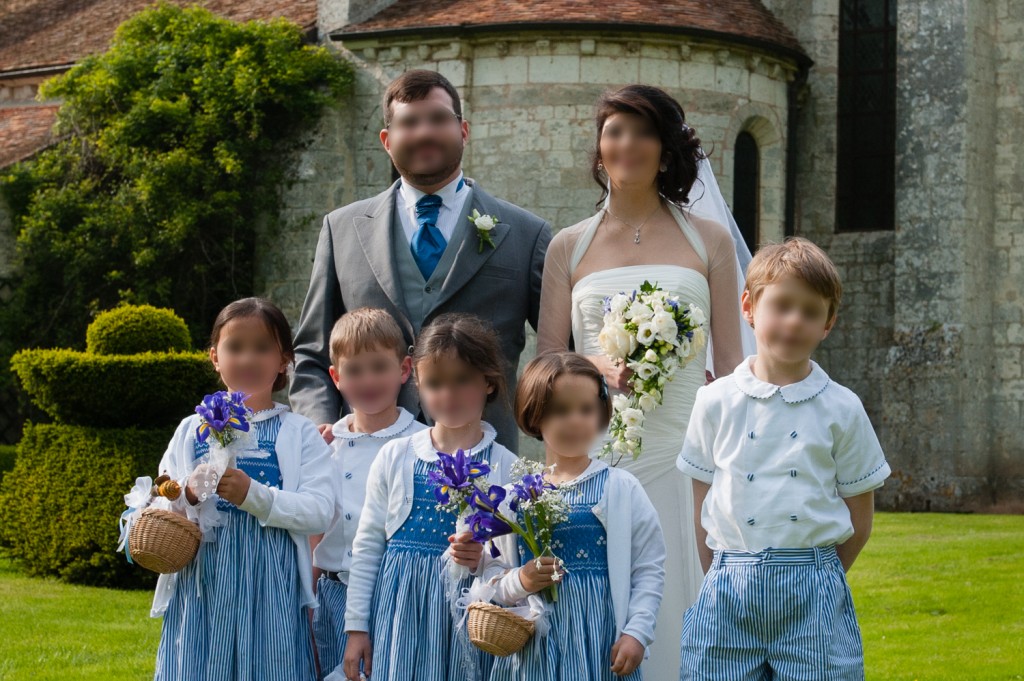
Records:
x=534, y=609
x=137, y=499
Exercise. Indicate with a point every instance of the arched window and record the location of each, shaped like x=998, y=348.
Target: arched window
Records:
x=866, y=130
x=746, y=189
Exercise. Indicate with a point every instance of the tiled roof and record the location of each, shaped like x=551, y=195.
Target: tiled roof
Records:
x=742, y=19
x=41, y=33
x=24, y=130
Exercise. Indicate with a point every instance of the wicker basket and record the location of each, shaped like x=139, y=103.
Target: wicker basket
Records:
x=496, y=630
x=163, y=541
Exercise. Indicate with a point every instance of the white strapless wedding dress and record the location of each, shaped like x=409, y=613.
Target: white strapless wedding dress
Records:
x=669, y=490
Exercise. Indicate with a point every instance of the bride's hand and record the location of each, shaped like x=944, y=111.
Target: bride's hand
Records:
x=616, y=373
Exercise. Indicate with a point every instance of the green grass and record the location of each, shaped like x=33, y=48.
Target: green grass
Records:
x=50, y=630
x=939, y=599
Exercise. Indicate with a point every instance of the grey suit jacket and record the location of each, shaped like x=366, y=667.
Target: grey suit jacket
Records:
x=355, y=266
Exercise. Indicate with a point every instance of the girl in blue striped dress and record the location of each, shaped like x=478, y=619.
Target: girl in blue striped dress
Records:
x=610, y=552
x=240, y=609
x=399, y=615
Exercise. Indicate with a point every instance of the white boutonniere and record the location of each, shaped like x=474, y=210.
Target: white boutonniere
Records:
x=484, y=226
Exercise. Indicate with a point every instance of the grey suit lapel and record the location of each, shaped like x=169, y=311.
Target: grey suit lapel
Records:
x=469, y=259
x=375, y=237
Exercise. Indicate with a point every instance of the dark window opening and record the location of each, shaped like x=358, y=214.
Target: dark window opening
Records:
x=866, y=130
x=746, y=191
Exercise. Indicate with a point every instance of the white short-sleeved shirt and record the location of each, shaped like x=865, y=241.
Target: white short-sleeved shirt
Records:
x=353, y=454
x=780, y=460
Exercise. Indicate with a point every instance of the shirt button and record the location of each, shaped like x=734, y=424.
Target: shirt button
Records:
x=348, y=476
x=351, y=443
x=792, y=472
x=750, y=521
x=793, y=517
x=750, y=477
x=350, y=553
x=348, y=516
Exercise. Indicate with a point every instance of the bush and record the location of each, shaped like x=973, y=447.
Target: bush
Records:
x=7, y=455
x=133, y=329
x=60, y=503
x=115, y=391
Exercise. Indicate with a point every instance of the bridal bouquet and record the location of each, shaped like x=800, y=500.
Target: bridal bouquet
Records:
x=537, y=507
x=656, y=336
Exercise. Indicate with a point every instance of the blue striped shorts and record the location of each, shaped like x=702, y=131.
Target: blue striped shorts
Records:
x=782, y=614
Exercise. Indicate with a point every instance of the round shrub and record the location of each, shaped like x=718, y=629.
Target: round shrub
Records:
x=133, y=329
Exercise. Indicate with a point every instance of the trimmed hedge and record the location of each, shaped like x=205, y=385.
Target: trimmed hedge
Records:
x=7, y=456
x=115, y=391
x=134, y=329
x=59, y=505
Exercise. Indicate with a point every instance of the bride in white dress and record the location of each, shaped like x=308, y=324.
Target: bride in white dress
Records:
x=647, y=158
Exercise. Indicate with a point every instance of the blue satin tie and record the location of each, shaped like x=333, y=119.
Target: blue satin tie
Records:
x=428, y=243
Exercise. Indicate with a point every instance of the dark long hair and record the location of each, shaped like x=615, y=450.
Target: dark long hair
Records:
x=269, y=314
x=680, y=147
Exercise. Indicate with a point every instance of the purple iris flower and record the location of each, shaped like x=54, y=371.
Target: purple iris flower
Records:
x=454, y=472
x=529, y=489
x=221, y=411
x=487, y=501
x=487, y=526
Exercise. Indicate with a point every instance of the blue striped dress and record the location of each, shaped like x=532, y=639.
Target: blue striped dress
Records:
x=411, y=624
x=235, y=611
x=582, y=631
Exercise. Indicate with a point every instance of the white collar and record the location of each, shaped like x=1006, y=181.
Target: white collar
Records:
x=424, y=446
x=264, y=414
x=341, y=428
x=807, y=389
x=595, y=467
x=447, y=193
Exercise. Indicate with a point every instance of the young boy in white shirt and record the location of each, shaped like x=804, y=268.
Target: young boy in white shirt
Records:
x=784, y=464
x=369, y=364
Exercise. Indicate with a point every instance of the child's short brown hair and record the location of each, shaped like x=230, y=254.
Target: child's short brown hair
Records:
x=469, y=338
x=800, y=258
x=535, y=387
x=367, y=328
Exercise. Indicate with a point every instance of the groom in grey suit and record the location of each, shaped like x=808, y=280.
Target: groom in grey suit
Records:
x=413, y=251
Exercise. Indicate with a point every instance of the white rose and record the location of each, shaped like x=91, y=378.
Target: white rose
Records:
x=645, y=333
x=618, y=304
x=632, y=417
x=620, y=402
x=639, y=312
x=615, y=341
x=665, y=326
x=484, y=223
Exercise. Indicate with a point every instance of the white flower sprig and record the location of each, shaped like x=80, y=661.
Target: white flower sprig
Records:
x=484, y=226
x=656, y=336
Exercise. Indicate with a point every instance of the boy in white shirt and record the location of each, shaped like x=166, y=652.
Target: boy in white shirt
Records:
x=369, y=365
x=784, y=464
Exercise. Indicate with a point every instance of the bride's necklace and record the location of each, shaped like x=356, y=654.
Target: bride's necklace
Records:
x=636, y=237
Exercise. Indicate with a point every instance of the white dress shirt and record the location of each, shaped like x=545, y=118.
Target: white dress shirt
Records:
x=353, y=453
x=780, y=460
x=449, y=214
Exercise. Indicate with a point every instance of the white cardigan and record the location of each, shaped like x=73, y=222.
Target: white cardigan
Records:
x=304, y=505
x=637, y=576
x=389, y=499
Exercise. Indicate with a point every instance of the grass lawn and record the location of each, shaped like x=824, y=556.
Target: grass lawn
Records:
x=939, y=598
